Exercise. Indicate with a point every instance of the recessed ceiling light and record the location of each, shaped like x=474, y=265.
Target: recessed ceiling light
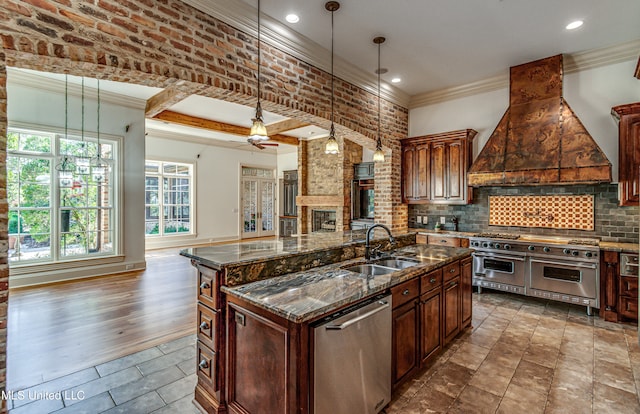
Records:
x=574, y=25
x=292, y=18
x=396, y=80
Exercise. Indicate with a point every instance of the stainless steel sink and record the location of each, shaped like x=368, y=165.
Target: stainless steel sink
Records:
x=396, y=263
x=371, y=269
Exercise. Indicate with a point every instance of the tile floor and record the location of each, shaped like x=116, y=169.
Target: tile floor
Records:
x=523, y=355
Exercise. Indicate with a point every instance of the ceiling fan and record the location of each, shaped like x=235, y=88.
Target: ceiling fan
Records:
x=261, y=144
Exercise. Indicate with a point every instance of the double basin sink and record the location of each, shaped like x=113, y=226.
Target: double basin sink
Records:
x=382, y=266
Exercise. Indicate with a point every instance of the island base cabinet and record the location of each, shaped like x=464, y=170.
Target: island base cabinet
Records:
x=451, y=300
x=466, y=291
x=405, y=342
x=430, y=316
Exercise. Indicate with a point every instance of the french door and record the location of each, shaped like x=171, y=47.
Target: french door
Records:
x=258, y=202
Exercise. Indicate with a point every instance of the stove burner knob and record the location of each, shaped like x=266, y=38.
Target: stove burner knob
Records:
x=475, y=244
x=497, y=245
x=575, y=253
x=491, y=245
x=532, y=248
x=485, y=244
x=546, y=249
x=588, y=254
x=566, y=251
x=507, y=247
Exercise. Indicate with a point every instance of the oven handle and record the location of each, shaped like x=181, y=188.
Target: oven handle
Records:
x=492, y=256
x=571, y=264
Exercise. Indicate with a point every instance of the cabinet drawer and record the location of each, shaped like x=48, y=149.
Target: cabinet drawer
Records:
x=207, y=368
x=405, y=292
x=628, y=307
x=444, y=241
x=208, y=287
x=208, y=324
x=451, y=270
x=430, y=281
x=421, y=239
x=629, y=287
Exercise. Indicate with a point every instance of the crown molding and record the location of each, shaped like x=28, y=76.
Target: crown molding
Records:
x=573, y=62
x=242, y=16
x=32, y=80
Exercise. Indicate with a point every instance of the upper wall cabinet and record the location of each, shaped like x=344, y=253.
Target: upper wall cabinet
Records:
x=629, y=152
x=434, y=168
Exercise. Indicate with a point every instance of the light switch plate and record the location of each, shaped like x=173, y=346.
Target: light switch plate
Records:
x=443, y=220
x=419, y=219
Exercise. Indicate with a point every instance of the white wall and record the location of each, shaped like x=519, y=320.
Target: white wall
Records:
x=590, y=93
x=35, y=105
x=217, y=186
x=286, y=162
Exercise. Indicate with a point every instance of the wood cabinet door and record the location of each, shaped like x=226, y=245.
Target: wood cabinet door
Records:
x=467, y=291
x=629, y=156
x=455, y=171
x=421, y=172
x=408, y=173
x=451, y=300
x=430, y=327
x=439, y=171
x=404, y=345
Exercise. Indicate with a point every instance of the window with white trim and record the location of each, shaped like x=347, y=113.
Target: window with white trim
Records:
x=60, y=209
x=168, y=198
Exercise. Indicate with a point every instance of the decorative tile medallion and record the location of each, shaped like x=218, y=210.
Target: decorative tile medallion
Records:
x=574, y=212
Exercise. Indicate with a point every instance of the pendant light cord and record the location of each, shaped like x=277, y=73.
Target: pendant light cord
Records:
x=259, y=114
x=66, y=105
x=332, y=92
x=379, y=143
x=98, y=120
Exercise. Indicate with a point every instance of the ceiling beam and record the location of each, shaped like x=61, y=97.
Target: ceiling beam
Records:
x=195, y=122
x=170, y=96
x=285, y=125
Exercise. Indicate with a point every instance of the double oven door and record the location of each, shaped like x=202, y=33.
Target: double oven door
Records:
x=499, y=268
x=575, y=278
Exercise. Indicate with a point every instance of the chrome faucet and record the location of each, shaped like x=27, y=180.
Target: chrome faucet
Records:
x=367, y=248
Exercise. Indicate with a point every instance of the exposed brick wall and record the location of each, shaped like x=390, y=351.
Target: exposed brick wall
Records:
x=157, y=43
x=4, y=244
x=612, y=222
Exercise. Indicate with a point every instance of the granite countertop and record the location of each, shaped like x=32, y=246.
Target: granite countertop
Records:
x=619, y=247
x=305, y=295
x=222, y=255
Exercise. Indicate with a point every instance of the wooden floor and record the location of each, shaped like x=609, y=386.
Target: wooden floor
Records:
x=59, y=329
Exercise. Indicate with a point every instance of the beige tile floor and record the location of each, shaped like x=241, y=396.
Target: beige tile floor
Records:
x=525, y=355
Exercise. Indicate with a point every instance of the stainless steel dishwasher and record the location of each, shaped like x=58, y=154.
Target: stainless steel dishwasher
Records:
x=352, y=359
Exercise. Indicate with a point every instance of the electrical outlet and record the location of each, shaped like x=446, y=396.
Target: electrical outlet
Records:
x=128, y=266
x=419, y=219
x=425, y=219
x=443, y=220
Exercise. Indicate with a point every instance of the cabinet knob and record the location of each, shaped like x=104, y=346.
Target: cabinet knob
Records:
x=432, y=280
x=205, y=285
x=453, y=284
x=406, y=292
x=452, y=270
x=443, y=241
x=204, y=326
x=203, y=364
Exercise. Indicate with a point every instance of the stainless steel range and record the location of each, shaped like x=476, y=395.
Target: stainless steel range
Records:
x=553, y=268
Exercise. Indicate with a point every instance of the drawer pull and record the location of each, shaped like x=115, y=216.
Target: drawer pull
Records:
x=204, y=326
x=452, y=270
x=453, y=284
x=205, y=285
x=443, y=241
x=432, y=280
x=406, y=292
x=203, y=364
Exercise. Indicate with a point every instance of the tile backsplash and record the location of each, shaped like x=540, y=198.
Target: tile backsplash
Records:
x=611, y=222
x=574, y=212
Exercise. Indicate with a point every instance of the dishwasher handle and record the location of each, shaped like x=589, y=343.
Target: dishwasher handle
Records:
x=383, y=305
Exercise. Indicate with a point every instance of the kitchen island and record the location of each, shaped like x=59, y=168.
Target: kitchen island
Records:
x=258, y=299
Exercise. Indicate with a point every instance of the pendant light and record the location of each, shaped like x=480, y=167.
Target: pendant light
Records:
x=66, y=167
x=99, y=168
x=378, y=156
x=331, y=147
x=258, y=131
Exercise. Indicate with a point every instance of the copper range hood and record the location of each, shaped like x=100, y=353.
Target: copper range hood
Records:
x=539, y=139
